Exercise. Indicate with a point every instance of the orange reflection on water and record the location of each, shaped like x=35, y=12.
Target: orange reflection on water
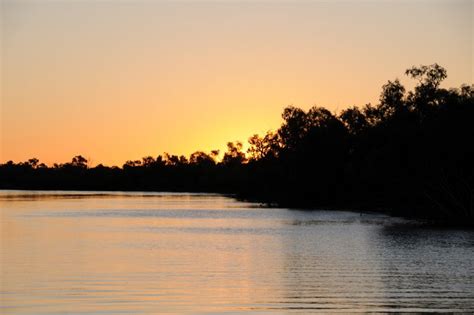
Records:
x=81, y=258
x=177, y=253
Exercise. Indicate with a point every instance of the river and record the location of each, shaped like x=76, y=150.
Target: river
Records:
x=142, y=253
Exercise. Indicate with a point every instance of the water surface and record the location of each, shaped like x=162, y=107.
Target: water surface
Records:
x=138, y=253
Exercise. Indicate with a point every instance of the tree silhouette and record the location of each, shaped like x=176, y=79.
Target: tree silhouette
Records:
x=79, y=161
x=354, y=120
x=234, y=155
x=264, y=147
x=202, y=159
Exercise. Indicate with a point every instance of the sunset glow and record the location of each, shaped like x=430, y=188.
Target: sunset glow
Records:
x=121, y=80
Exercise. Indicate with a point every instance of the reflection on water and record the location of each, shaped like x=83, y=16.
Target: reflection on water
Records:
x=158, y=252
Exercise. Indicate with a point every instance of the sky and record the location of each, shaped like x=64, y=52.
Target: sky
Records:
x=120, y=80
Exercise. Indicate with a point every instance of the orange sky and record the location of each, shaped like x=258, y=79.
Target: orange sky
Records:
x=121, y=80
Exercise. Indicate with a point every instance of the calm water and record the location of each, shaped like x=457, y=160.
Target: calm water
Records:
x=174, y=253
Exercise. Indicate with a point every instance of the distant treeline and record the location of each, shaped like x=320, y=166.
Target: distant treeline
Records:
x=412, y=154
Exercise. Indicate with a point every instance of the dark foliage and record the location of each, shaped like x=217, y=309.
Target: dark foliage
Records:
x=412, y=154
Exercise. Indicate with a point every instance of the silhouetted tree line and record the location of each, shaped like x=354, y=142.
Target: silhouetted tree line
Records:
x=412, y=154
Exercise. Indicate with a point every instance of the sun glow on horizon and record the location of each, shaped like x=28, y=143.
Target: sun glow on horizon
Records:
x=120, y=81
